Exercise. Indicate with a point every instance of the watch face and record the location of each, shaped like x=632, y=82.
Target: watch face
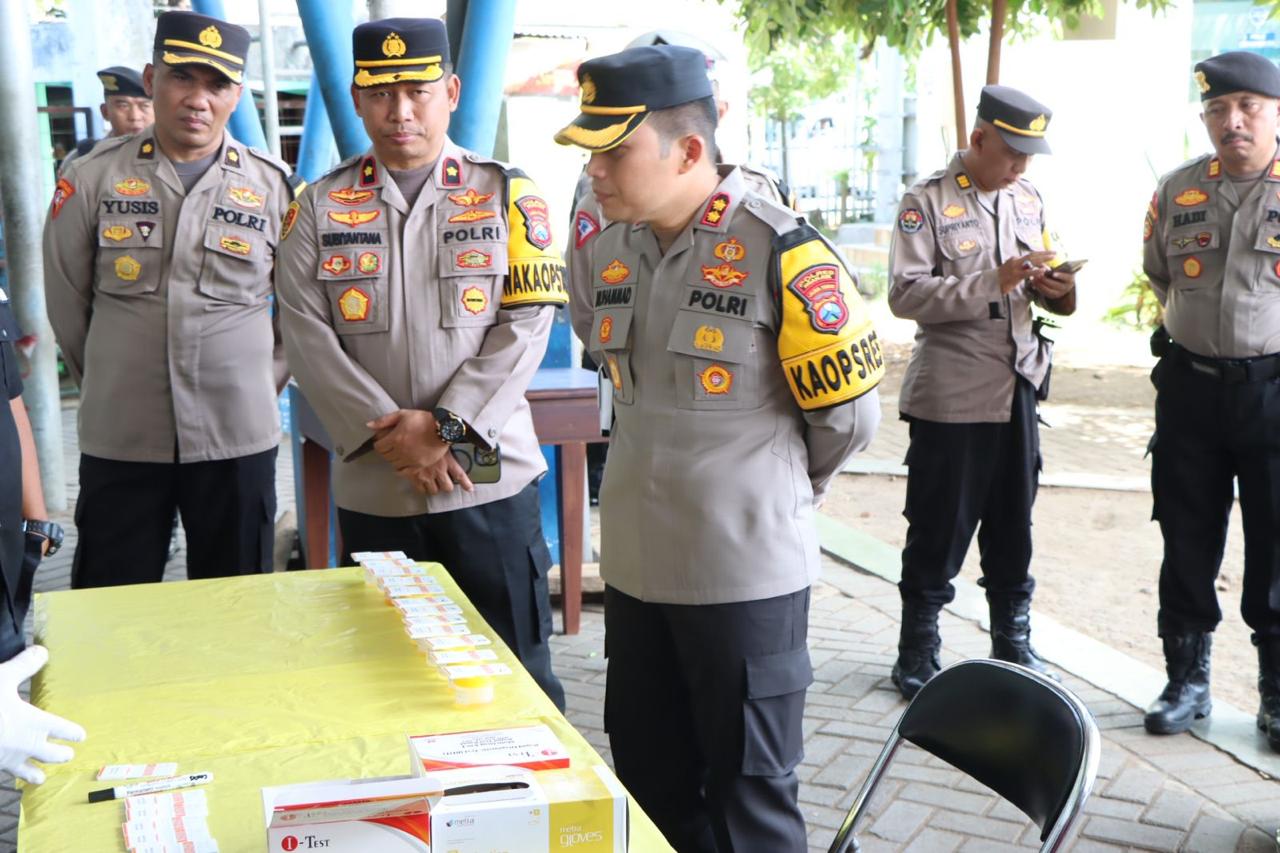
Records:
x=452, y=430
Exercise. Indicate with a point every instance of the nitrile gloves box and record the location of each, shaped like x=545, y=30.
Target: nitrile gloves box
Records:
x=351, y=816
x=489, y=810
x=583, y=810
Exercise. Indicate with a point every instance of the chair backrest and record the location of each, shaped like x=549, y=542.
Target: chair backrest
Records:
x=1018, y=733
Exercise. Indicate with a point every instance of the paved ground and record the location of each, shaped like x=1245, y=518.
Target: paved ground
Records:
x=1142, y=799
x=1163, y=794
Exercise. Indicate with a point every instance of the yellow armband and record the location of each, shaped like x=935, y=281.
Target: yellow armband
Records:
x=828, y=348
x=535, y=273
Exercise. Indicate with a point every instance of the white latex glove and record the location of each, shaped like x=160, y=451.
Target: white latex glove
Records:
x=25, y=729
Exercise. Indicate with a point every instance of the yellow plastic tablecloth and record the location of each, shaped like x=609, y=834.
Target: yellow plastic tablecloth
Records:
x=263, y=680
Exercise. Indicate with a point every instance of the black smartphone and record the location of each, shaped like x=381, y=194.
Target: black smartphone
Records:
x=481, y=466
x=1069, y=267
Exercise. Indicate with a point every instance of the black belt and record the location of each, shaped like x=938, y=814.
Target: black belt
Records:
x=1230, y=371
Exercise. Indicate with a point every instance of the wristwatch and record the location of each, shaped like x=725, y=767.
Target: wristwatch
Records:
x=50, y=530
x=449, y=426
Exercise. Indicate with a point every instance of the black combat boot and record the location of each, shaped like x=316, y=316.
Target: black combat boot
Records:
x=1011, y=634
x=1185, y=698
x=1269, y=688
x=918, y=645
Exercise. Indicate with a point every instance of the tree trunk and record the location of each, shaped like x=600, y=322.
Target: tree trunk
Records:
x=957, y=81
x=999, y=11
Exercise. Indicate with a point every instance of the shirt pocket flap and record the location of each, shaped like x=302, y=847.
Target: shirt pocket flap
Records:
x=350, y=263
x=129, y=233
x=611, y=328
x=473, y=259
x=960, y=246
x=701, y=336
x=1268, y=240
x=235, y=243
x=1199, y=240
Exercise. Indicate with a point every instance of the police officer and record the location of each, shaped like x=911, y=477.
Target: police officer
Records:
x=26, y=534
x=1212, y=253
x=743, y=364
x=125, y=106
x=158, y=256
x=588, y=220
x=968, y=262
x=418, y=287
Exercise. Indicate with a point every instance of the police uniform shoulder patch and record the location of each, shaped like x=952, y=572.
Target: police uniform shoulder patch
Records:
x=585, y=227
x=910, y=220
x=828, y=347
x=61, y=193
x=535, y=273
x=290, y=217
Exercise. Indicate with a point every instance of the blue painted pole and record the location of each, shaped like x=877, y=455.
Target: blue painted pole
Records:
x=482, y=65
x=315, y=150
x=328, y=27
x=245, y=125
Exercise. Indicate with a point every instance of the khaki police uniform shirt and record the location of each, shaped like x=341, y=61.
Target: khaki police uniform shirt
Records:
x=1213, y=259
x=972, y=342
x=445, y=303
x=743, y=364
x=588, y=220
x=161, y=300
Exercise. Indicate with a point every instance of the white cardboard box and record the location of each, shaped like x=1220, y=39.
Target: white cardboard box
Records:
x=351, y=816
x=534, y=747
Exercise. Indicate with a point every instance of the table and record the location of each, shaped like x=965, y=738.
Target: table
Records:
x=262, y=680
x=565, y=414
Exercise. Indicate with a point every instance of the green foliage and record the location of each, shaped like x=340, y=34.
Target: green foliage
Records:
x=1138, y=307
x=795, y=74
x=908, y=25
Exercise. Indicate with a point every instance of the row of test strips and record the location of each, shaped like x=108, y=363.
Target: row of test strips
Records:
x=433, y=620
x=174, y=822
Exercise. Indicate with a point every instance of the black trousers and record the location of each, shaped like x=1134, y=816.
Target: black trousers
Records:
x=704, y=706
x=962, y=477
x=15, y=589
x=498, y=556
x=124, y=518
x=1207, y=434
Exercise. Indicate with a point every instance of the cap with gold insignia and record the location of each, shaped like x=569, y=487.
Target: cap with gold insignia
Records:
x=619, y=91
x=395, y=50
x=1020, y=119
x=1237, y=71
x=183, y=38
x=119, y=80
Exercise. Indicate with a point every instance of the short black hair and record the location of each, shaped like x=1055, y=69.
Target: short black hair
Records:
x=700, y=117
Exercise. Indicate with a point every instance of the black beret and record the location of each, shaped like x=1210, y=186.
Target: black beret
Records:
x=619, y=91
x=1021, y=120
x=1237, y=71
x=119, y=80
x=186, y=37
x=395, y=50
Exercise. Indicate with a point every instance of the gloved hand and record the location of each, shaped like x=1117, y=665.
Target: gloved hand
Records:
x=25, y=729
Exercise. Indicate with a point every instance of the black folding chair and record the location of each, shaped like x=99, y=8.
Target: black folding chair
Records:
x=1026, y=737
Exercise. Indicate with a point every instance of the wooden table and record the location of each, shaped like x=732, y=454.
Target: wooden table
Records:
x=565, y=414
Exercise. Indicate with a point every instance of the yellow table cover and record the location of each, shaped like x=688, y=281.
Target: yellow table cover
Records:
x=262, y=680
